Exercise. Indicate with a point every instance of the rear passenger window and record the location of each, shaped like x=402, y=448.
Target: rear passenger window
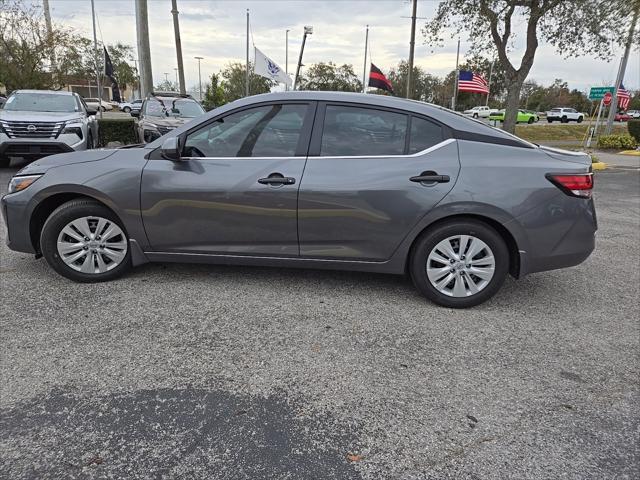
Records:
x=352, y=131
x=424, y=134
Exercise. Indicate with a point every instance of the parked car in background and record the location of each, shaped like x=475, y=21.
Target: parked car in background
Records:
x=315, y=180
x=96, y=104
x=163, y=111
x=37, y=123
x=478, y=112
x=564, y=115
x=622, y=117
x=2, y=100
x=524, y=116
x=133, y=105
x=634, y=113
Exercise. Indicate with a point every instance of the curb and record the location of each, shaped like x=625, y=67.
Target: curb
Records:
x=599, y=166
x=635, y=153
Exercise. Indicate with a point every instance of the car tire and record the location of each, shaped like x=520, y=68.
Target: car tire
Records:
x=113, y=261
x=564, y=120
x=579, y=119
x=429, y=243
x=530, y=121
x=102, y=109
x=475, y=115
x=549, y=120
x=126, y=110
x=90, y=144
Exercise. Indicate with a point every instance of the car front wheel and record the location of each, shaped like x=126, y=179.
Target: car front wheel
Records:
x=579, y=119
x=530, y=121
x=126, y=110
x=459, y=264
x=85, y=242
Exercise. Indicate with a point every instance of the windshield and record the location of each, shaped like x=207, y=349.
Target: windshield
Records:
x=41, y=102
x=172, y=108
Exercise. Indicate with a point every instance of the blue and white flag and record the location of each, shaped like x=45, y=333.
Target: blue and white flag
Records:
x=265, y=67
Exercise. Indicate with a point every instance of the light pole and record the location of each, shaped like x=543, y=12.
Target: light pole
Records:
x=177, y=82
x=308, y=30
x=166, y=77
x=199, y=77
x=286, y=57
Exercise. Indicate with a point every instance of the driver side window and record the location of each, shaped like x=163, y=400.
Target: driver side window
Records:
x=266, y=131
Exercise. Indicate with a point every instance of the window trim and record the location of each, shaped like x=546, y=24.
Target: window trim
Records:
x=305, y=132
x=316, y=138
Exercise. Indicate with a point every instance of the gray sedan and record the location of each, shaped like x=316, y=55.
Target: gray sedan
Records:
x=315, y=180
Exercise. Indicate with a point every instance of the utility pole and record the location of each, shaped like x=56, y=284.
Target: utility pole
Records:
x=247, y=81
x=135, y=63
x=286, y=57
x=95, y=57
x=412, y=44
x=455, y=83
x=364, y=70
x=144, y=52
x=47, y=21
x=308, y=30
x=623, y=66
x=199, y=77
x=176, y=31
x=177, y=81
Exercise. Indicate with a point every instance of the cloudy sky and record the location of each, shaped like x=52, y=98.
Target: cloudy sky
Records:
x=215, y=30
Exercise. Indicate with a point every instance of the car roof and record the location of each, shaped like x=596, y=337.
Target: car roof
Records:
x=49, y=92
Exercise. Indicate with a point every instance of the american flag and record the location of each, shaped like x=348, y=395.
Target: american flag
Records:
x=472, y=82
x=624, y=97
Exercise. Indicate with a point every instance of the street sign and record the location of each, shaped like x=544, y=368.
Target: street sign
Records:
x=606, y=100
x=597, y=93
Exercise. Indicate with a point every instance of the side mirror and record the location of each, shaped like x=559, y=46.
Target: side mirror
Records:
x=171, y=149
x=91, y=111
x=135, y=113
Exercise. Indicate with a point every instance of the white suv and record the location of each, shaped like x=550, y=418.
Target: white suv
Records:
x=564, y=115
x=37, y=123
x=478, y=112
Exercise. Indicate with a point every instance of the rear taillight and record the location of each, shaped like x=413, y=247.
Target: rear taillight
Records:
x=580, y=185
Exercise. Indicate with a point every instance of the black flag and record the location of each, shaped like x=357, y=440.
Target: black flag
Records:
x=378, y=80
x=108, y=71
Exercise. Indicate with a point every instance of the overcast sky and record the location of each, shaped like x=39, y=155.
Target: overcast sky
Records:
x=215, y=30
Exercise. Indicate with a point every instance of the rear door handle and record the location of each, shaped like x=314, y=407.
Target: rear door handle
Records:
x=277, y=179
x=430, y=177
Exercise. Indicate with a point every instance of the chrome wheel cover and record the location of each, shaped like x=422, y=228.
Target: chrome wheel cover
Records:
x=92, y=245
x=460, y=266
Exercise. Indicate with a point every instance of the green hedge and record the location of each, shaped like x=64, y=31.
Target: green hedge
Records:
x=617, y=141
x=117, y=130
x=633, y=126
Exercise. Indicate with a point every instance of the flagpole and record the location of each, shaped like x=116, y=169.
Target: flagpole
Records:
x=247, y=81
x=286, y=58
x=364, y=71
x=95, y=58
x=489, y=83
x=455, y=83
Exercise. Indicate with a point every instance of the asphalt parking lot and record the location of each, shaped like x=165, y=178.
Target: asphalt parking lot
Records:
x=183, y=371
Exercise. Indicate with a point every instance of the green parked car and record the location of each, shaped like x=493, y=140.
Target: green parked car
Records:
x=524, y=116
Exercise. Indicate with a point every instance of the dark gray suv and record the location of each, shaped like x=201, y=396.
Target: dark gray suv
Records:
x=315, y=180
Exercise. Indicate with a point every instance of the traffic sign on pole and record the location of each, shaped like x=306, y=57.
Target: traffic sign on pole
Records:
x=597, y=93
x=606, y=99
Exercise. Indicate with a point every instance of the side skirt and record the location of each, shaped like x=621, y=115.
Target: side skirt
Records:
x=286, y=262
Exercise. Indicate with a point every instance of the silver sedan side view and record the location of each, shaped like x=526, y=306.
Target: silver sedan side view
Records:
x=315, y=180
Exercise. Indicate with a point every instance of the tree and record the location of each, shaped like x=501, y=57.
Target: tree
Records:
x=577, y=27
x=26, y=48
x=330, y=77
x=424, y=84
x=126, y=74
x=214, y=94
x=167, y=86
x=234, y=82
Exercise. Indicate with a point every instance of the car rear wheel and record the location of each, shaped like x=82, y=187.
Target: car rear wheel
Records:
x=459, y=264
x=85, y=242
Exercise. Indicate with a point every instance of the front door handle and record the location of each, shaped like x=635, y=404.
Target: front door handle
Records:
x=430, y=177
x=277, y=179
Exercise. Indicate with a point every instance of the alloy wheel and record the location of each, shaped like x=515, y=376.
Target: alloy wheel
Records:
x=92, y=245
x=460, y=266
